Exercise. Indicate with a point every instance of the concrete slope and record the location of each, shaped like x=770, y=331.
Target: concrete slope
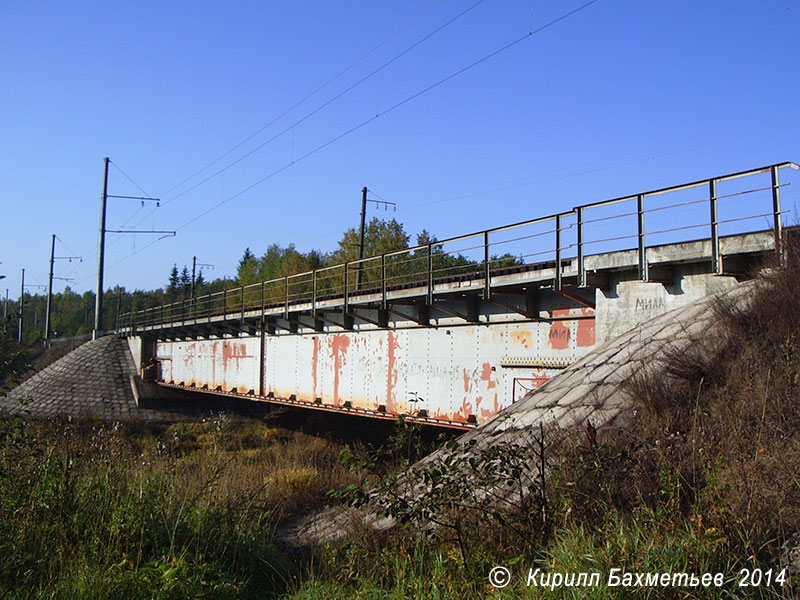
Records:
x=593, y=389
x=93, y=381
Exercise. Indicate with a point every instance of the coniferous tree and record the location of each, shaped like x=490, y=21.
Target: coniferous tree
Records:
x=174, y=282
x=247, y=271
x=185, y=282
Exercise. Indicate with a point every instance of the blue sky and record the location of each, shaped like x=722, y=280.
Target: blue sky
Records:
x=619, y=97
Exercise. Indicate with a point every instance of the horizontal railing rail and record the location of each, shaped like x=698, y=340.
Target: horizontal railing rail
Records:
x=556, y=242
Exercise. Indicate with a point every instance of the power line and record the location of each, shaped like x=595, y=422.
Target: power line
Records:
x=89, y=253
x=118, y=168
x=63, y=243
x=392, y=108
x=374, y=193
x=307, y=96
x=140, y=188
x=369, y=120
x=322, y=106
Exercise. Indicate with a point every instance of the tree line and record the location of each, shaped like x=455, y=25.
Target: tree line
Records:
x=73, y=313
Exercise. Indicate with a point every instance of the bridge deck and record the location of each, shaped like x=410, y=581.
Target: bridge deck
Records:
x=503, y=279
x=453, y=332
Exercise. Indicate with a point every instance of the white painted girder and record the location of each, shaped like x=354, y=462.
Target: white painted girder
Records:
x=456, y=374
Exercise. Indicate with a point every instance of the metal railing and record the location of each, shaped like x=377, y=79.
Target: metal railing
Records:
x=551, y=242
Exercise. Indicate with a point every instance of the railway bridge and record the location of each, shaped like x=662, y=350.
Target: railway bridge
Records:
x=452, y=332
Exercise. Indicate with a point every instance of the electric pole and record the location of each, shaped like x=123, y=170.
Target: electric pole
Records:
x=361, y=237
x=364, y=201
x=53, y=257
x=196, y=264
x=194, y=267
x=98, y=301
x=119, y=306
x=21, y=306
x=101, y=245
x=49, y=293
x=363, y=223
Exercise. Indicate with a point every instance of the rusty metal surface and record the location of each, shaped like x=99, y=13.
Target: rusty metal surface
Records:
x=222, y=365
x=453, y=375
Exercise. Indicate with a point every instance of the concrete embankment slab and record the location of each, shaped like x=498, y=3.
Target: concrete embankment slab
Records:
x=593, y=389
x=97, y=380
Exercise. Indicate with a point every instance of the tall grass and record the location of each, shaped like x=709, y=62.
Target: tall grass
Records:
x=99, y=511
x=703, y=478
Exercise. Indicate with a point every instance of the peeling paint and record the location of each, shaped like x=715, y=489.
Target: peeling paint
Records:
x=464, y=412
x=314, y=364
x=486, y=375
x=391, y=371
x=339, y=344
x=559, y=335
x=454, y=373
x=523, y=338
x=586, y=333
x=233, y=351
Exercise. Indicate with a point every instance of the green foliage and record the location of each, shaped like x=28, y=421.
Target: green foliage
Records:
x=440, y=497
x=184, y=512
x=14, y=363
x=173, y=286
x=247, y=271
x=701, y=479
x=380, y=237
x=73, y=314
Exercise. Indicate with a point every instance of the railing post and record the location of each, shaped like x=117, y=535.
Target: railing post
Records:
x=487, y=280
x=581, y=266
x=225, y=304
x=643, y=274
x=383, y=281
x=262, y=301
x=286, y=297
x=345, y=307
x=314, y=294
x=558, y=252
x=430, y=274
x=716, y=263
x=242, y=299
x=777, y=226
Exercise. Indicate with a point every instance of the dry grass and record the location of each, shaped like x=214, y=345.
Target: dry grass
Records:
x=703, y=478
x=186, y=511
x=716, y=438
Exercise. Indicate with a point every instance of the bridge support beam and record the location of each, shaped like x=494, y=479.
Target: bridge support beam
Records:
x=421, y=313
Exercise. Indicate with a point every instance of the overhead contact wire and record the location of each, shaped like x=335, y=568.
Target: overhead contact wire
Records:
x=308, y=96
x=355, y=128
